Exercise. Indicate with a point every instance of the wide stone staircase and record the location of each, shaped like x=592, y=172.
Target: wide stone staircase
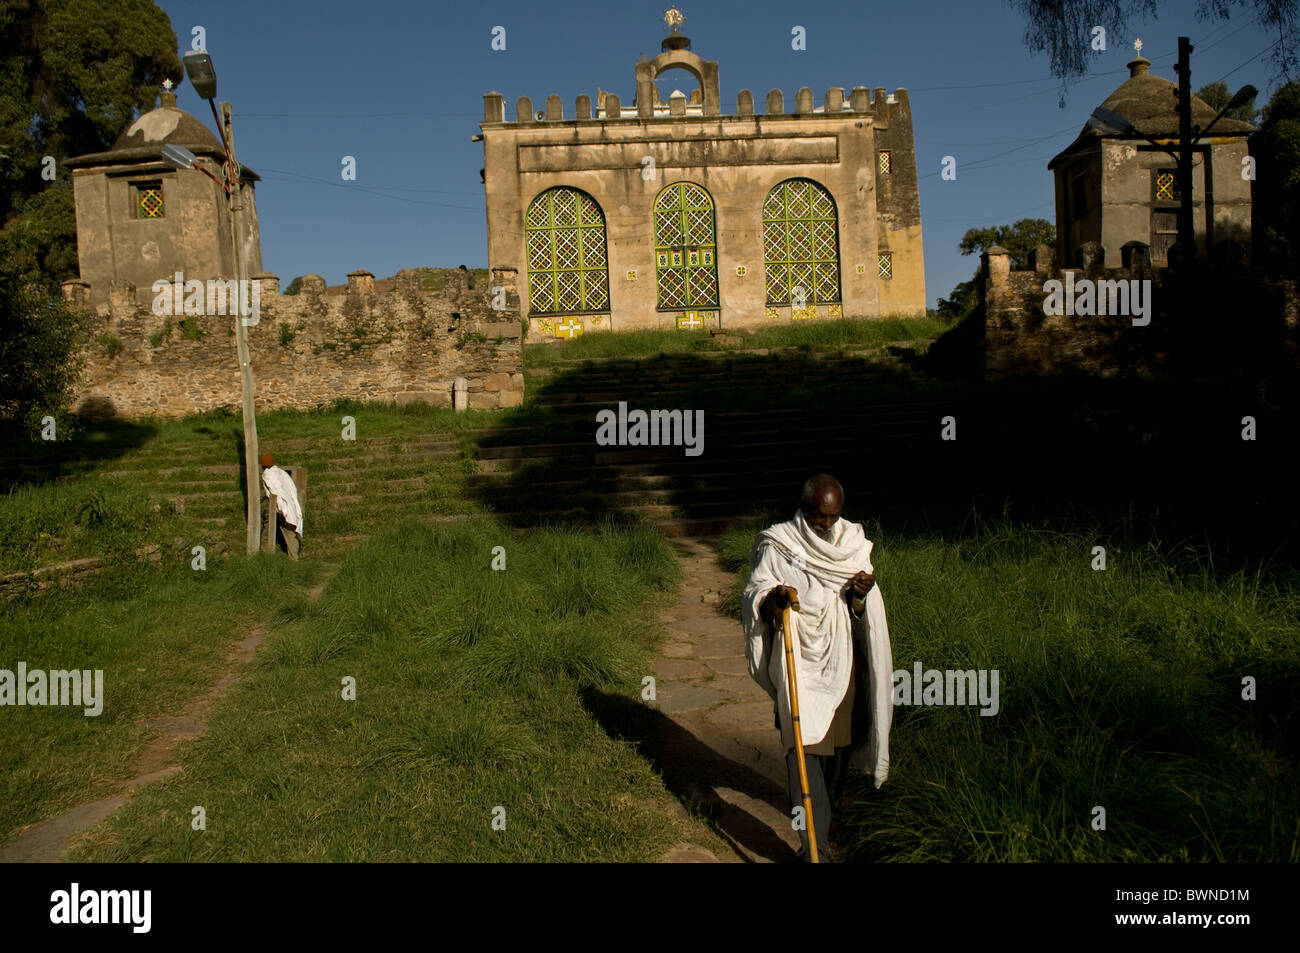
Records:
x=770, y=420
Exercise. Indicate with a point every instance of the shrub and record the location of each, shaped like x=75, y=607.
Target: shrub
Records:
x=110, y=344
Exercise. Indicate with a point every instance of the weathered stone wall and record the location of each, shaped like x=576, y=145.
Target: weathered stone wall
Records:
x=1222, y=316
x=386, y=341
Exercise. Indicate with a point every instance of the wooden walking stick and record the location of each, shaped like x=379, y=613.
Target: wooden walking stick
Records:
x=798, y=734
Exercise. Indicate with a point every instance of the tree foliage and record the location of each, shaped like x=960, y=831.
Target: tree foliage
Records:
x=1276, y=199
x=73, y=75
x=40, y=362
x=1019, y=238
x=1063, y=28
x=1217, y=95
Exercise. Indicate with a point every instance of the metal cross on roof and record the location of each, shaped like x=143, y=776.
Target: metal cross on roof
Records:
x=673, y=17
x=167, y=84
x=1137, y=45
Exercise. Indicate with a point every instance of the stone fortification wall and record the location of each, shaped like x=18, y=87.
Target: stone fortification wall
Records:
x=405, y=339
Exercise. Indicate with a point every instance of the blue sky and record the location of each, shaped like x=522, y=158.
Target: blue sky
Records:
x=399, y=86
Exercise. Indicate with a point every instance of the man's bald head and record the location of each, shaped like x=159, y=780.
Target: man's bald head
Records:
x=821, y=502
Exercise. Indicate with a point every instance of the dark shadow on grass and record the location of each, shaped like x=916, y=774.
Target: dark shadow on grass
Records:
x=28, y=459
x=691, y=771
x=1163, y=458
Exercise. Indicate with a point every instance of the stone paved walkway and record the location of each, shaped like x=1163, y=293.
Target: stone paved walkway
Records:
x=721, y=753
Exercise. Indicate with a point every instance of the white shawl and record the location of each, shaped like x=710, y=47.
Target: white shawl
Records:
x=279, y=483
x=791, y=554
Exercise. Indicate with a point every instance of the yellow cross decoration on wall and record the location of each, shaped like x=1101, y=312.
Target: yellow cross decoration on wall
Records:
x=574, y=329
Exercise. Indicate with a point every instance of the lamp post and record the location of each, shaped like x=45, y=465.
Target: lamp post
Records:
x=198, y=65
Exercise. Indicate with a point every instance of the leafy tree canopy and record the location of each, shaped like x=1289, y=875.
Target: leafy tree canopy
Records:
x=1020, y=238
x=73, y=75
x=1063, y=28
x=1276, y=198
x=1217, y=95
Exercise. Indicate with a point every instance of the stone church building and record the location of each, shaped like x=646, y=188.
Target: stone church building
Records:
x=678, y=215
x=139, y=220
x=1114, y=189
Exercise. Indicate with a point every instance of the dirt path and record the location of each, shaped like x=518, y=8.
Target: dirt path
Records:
x=48, y=841
x=720, y=751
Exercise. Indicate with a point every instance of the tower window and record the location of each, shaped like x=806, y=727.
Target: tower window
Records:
x=885, y=265
x=885, y=166
x=1166, y=186
x=147, y=199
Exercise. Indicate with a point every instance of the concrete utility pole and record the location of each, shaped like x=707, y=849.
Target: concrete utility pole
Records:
x=252, y=475
x=1186, y=227
x=203, y=77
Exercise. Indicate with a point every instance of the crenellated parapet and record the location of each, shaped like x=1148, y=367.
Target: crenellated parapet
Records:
x=883, y=108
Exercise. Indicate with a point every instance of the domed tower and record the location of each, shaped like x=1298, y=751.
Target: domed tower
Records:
x=139, y=220
x=1115, y=187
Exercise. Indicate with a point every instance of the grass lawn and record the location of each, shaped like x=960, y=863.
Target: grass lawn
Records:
x=160, y=636
x=848, y=333
x=469, y=689
x=1119, y=688
x=118, y=478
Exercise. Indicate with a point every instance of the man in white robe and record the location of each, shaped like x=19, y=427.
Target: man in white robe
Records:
x=843, y=662
x=288, y=517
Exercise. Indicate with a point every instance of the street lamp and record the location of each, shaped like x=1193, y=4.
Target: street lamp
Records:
x=203, y=77
x=1243, y=96
x=178, y=157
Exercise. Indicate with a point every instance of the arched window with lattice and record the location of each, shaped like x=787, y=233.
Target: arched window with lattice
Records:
x=686, y=248
x=801, y=244
x=568, y=264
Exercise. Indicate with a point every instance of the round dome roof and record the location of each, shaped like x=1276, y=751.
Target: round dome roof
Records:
x=1150, y=104
x=168, y=125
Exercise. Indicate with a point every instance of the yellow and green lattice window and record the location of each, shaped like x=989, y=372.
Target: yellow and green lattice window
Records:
x=147, y=199
x=568, y=270
x=800, y=244
x=1167, y=186
x=686, y=248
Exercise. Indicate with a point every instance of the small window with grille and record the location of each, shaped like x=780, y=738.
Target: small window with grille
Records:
x=885, y=265
x=147, y=199
x=885, y=163
x=1165, y=185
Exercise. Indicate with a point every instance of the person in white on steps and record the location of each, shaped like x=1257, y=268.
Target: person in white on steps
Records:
x=288, y=518
x=844, y=666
